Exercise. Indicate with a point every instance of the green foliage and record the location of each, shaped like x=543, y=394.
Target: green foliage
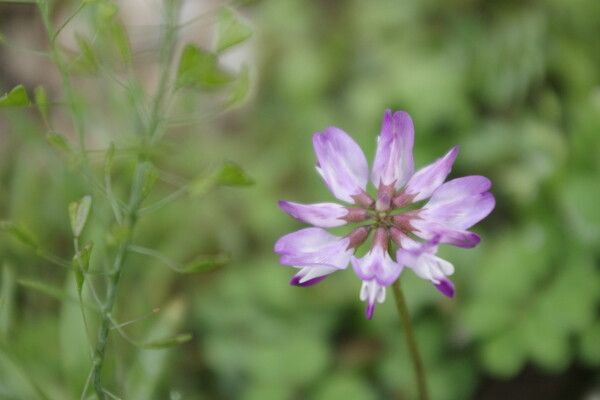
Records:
x=230, y=30
x=198, y=67
x=78, y=213
x=17, y=97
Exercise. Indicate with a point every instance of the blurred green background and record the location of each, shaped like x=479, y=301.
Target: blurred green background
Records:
x=515, y=83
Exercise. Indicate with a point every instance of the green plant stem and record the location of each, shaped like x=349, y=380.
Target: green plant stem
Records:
x=74, y=105
x=411, y=341
x=102, y=338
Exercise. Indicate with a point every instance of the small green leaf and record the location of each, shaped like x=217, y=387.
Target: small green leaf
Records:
x=231, y=174
x=198, y=67
x=241, y=88
x=121, y=40
x=231, y=30
x=108, y=161
x=19, y=234
x=81, y=263
x=17, y=97
x=87, y=60
x=60, y=142
x=41, y=101
x=168, y=342
x=145, y=177
x=205, y=263
x=78, y=212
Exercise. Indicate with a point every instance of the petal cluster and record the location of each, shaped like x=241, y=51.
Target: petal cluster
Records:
x=450, y=209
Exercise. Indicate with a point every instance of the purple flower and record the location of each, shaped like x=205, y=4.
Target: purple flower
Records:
x=451, y=209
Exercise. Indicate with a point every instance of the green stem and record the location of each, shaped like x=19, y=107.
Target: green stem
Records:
x=106, y=319
x=411, y=341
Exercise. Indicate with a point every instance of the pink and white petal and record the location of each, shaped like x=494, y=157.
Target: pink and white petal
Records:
x=304, y=241
x=394, y=163
x=458, y=212
x=459, y=189
x=421, y=258
x=341, y=163
x=377, y=265
x=324, y=215
x=427, y=229
x=426, y=180
x=314, y=247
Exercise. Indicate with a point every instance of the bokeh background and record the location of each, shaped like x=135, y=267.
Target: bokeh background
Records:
x=515, y=83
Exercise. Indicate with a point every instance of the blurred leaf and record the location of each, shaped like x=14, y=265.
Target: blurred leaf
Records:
x=87, y=60
x=168, y=342
x=145, y=177
x=108, y=161
x=81, y=263
x=503, y=355
x=205, y=264
x=589, y=345
x=121, y=40
x=51, y=291
x=41, y=101
x=231, y=30
x=62, y=144
x=17, y=97
x=7, y=293
x=198, y=67
x=78, y=213
x=230, y=174
x=348, y=386
x=241, y=89
x=19, y=234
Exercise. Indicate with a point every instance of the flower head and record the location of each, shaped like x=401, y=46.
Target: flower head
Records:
x=451, y=209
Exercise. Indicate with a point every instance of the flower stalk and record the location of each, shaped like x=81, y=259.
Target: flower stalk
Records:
x=413, y=349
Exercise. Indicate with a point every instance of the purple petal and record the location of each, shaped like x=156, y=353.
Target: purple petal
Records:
x=460, y=203
x=429, y=178
x=427, y=229
x=296, y=281
x=372, y=292
x=324, y=215
x=309, y=276
x=314, y=247
x=394, y=163
x=446, y=287
x=341, y=163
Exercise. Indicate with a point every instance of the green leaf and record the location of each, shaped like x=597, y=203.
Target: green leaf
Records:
x=241, y=88
x=198, y=67
x=17, y=97
x=87, y=60
x=168, y=342
x=145, y=177
x=81, y=263
x=231, y=30
x=19, y=234
x=41, y=101
x=231, y=174
x=108, y=161
x=60, y=142
x=205, y=263
x=78, y=213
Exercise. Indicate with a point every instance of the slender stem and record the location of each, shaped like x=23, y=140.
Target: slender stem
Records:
x=106, y=319
x=411, y=341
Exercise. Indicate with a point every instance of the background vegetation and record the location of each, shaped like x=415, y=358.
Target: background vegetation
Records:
x=515, y=83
